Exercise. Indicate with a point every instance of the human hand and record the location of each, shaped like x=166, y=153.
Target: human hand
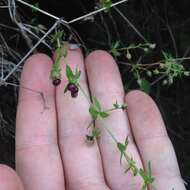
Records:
x=51, y=153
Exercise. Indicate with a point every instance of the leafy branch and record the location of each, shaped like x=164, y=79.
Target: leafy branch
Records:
x=97, y=112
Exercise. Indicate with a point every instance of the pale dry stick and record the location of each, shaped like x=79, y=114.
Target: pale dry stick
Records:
x=130, y=24
x=115, y=26
x=106, y=29
x=4, y=83
x=31, y=50
x=6, y=65
x=66, y=23
x=2, y=60
x=36, y=28
x=8, y=49
x=95, y=12
x=9, y=27
x=61, y=20
x=173, y=39
x=73, y=20
x=14, y=16
x=4, y=7
x=169, y=31
x=140, y=65
x=41, y=11
x=36, y=36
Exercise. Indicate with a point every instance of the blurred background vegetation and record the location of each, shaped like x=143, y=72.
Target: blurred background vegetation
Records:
x=165, y=23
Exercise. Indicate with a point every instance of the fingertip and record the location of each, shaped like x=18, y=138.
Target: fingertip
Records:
x=135, y=96
x=9, y=179
x=142, y=101
x=103, y=73
x=37, y=61
x=99, y=55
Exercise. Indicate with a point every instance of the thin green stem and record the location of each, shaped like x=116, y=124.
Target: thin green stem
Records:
x=111, y=134
x=84, y=93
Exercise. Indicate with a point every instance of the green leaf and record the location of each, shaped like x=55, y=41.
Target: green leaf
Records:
x=69, y=74
x=145, y=86
x=103, y=114
x=59, y=35
x=126, y=141
x=106, y=3
x=121, y=147
x=97, y=103
x=93, y=112
x=114, y=48
x=116, y=105
x=77, y=74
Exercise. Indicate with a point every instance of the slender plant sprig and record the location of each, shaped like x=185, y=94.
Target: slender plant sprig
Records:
x=55, y=74
x=147, y=177
x=57, y=38
x=170, y=69
x=116, y=49
x=61, y=51
x=73, y=81
x=97, y=112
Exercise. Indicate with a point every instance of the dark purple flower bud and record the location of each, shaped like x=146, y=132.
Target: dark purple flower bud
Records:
x=56, y=82
x=72, y=88
x=89, y=139
x=74, y=94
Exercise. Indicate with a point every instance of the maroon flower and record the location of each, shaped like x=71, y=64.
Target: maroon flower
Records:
x=73, y=88
x=56, y=82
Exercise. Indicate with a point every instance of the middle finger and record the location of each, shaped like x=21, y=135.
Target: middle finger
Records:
x=106, y=85
x=82, y=164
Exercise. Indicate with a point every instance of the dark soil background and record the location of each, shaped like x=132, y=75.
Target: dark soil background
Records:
x=155, y=20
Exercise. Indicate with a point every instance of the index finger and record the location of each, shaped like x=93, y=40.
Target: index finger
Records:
x=38, y=160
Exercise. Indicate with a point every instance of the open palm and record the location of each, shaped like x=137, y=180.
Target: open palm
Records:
x=51, y=153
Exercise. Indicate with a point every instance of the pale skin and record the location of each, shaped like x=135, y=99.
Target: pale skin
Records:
x=51, y=152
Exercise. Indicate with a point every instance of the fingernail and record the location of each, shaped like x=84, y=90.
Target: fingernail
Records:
x=74, y=46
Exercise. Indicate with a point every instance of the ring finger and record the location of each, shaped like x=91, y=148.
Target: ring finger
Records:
x=106, y=85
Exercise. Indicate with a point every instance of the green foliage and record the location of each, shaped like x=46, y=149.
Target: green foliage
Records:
x=96, y=110
x=56, y=68
x=147, y=177
x=122, y=148
x=171, y=69
x=114, y=49
x=105, y=4
x=57, y=38
x=72, y=77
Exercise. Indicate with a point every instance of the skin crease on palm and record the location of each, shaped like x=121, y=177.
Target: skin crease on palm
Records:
x=51, y=153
